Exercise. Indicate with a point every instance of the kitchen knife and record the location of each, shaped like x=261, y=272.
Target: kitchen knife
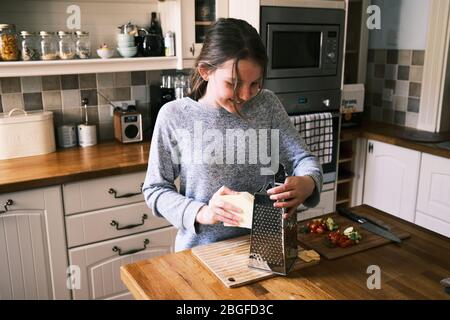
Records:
x=369, y=225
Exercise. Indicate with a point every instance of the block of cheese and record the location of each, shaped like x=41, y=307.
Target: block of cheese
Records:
x=244, y=201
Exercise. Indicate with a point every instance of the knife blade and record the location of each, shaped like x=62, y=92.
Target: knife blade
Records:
x=369, y=225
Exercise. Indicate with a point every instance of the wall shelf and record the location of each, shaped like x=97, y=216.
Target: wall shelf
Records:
x=78, y=66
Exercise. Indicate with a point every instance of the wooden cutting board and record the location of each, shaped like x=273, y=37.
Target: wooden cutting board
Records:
x=228, y=260
x=369, y=239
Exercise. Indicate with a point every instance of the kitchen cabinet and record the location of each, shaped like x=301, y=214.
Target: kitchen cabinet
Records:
x=325, y=206
x=33, y=261
x=196, y=16
x=108, y=225
x=100, y=263
x=433, y=200
x=391, y=179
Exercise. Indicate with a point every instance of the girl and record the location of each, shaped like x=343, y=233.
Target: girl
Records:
x=196, y=139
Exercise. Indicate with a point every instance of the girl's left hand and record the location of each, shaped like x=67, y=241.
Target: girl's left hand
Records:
x=294, y=192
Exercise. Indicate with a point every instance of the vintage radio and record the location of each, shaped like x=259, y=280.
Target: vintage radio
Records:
x=127, y=126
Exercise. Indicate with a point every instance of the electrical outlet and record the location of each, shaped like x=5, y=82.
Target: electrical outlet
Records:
x=122, y=104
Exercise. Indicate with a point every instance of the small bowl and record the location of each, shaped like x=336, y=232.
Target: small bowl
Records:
x=127, y=52
x=105, y=53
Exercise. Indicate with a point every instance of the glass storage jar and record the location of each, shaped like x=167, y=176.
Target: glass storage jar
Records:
x=29, y=46
x=66, y=46
x=48, y=46
x=83, y=45
x=9, y=50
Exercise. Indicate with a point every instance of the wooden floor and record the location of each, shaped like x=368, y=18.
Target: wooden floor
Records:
x=411, y=270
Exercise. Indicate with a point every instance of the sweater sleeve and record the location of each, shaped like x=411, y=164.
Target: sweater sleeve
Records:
x=294, y=154
x=159, y=189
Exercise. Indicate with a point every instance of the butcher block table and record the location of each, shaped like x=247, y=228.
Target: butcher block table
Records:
x=410, y=270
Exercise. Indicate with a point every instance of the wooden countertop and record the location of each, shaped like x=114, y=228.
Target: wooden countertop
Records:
x=72, y=164
x=411, y=270
x=392, y=134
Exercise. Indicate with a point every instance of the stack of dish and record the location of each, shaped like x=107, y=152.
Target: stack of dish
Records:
x=126, y=45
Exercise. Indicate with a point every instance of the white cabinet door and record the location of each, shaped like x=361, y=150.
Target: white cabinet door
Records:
x=391, y=179
x=247, y=10
x=100, y=263
x=33, y=259
x=433, y=201
x=191, y=28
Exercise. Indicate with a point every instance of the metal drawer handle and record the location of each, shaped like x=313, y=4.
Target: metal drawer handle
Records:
x=126, y=195
x=9, y=202
x=117, y=249
x=114, y=223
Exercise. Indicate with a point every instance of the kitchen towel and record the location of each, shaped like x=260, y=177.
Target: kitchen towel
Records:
x=316, y=130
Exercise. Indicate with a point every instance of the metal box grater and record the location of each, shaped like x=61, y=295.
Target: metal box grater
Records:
x=273, y=241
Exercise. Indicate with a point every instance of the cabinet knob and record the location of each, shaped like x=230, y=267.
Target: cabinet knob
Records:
x=192, y=49
x=8, y=202
x=370, y=148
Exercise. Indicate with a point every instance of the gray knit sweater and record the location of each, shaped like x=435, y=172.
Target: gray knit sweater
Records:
x=208, y=147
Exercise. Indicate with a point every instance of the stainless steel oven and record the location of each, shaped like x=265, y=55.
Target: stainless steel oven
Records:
x=304, y=46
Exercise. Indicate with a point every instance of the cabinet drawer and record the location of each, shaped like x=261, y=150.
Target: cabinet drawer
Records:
x=111, y=223
x=103, y=193
x=99, y=264
x=24, y=200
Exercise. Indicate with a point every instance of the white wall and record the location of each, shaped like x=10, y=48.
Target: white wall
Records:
x=404, y=25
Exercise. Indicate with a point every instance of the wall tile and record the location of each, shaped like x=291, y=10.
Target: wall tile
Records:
x=392, y=56
x=413, y=105
x=58, y=117
x=107, y=93
x=414, y=89
x=401, y=88
x=399, y=117
x=388, y=116
x=154, y=77
x=88, y=81
x=122, y=93
x=69, y=82
x=70, y=99
x=91, y=95
x=370, y=73
x=391, y=72
x=403, y=73
x=411, y=119
x=387, y=104
x=376, y=113
x=418, y=58
x=32, y=101
x=106, y=131
x=51, y=83
x=138, y=78
x=51, y=100
x=371, y=55
x=140, y=93
x=388, y=94
x=11, y=85
x=105, y=80
x=104, y=113
x=380, y=56
x=377, y=85
x=92, y=114
x=31, y=84
x=404, y=57
x=379, y=70
x=72, y=115
x=122, y=79
x=376, y=99
x=11, y=101
x=400, y=103
x=389, y=84
x=416, y=73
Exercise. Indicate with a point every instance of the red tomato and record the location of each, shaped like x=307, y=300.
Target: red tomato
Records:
x=320, y=229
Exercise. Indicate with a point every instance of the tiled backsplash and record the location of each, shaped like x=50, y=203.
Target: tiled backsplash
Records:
x=63, y=94
x=393, y=85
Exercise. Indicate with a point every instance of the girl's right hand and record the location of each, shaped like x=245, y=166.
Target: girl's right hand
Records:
x=219, y=210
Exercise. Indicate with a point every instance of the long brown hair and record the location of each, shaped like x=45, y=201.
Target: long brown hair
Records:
x=224, y=40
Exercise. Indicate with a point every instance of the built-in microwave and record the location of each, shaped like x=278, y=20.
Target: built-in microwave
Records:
x=304, y=47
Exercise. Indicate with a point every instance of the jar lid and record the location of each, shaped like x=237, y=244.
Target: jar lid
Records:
x=24, y=116
x=26, y=33
x=64, y=33
x=46, y=33
x=7, y=26
x=81, y=33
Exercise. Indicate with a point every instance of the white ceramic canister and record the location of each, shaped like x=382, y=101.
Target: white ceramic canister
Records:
x=67, y=136
x=87, y=135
